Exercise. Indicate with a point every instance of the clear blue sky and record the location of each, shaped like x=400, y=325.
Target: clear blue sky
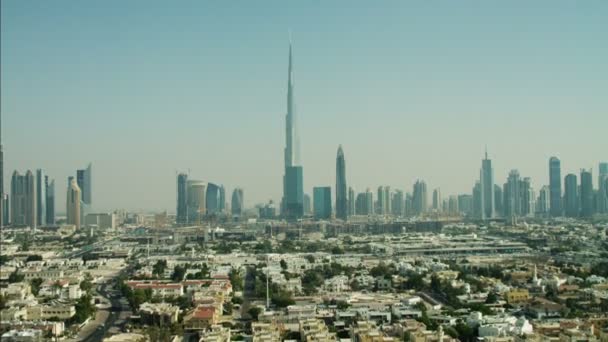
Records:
x=410, y=89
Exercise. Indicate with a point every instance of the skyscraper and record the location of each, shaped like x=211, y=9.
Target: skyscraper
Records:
x=50, y=201
x=453, y=205
x=182, y=199
x=222, y=199
x=3, y=218
x=212, y=199
x=555, y=187
x=383, y=201
x=40, y=198
x=602, y=199
x=397, y=203
x=307, y=204
x=420, y=200
x=322, y=202
x=437, y=200
x=292, y=205
x=542, y=205
x=498, y=206
x=571, y=200
x=486, y=182
x=512, y=195
x=236, y=206
x=85, y=182
x=477, y=201
x=361, y=205
x=73, y=201
x=369, y=202
x=23, y=200
x=341, y=190
x=526, y=197
x=197, y=196
x=351, y=201
x=586, y=193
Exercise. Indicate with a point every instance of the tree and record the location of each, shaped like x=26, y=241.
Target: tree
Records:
x=492, y=298
x=283, y=264
x=178, y=273
x=254, y=312
x=282, y=299
x=15, y=277
x=84, y=308
x=33, y=257
x=35, y=284
x=435, y=283
x=159, y=268
x=3, y=301
x=236, y=279
x=87, y=284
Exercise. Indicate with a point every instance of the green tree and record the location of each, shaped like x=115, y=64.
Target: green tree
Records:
x=35, y=284
x=283, y=264
x=236, y=279
x=254, y=312
x=178, y=273
x=15, y=277
x=84, y=308
x=159, y=268
x=33, y=257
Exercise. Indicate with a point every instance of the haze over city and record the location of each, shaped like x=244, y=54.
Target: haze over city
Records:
x=411, y=91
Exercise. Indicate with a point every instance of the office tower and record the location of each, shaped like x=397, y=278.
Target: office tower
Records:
x=23, y=200
x=408, y=205
x=512, y=195
x=477, y=201
x=498, y=201
x=602, y=193
x=380, y=203
x=341, y=190
x=486, y=182
x=437, y=200
x=571, y=200
x=453, y=205
x=397, y=203
x=181, y=216
x=542, y=204
x=212, y=199
x=586, y=193
x=526, y=197
x=85, y=183
x=322, y=202
x=361, y=204
x=73, y=201
x=6, y=210
x=465, y=204
x=307, y=204
x=268, y=211
x=369, y=202
x=555, y=187
x=196, y=203
x=419, y=200
x=294, y=194
x=292, y=204
x=222, y=199
x=351, y=201
x=40, y=198
x=237, y=202
x=50, y=201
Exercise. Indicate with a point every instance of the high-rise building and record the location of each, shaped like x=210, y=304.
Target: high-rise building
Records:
x=292, y=204
x=6, y=211
x=453, y=205
x=408, y=205
x=361, y=204
x=73, y=201
x=465, y=204
x=222, y=200
x=602, y=193
x=542, y=204
x=498, y=206
x=212, y=199
x=512, y=195
x=196, y=204
x=381, y=202
x=397, y=203
x=555, y=187
x=477, y=201
x=586, y=193
x=85, y=183
x=322, y=202
x=526, y=197
x=307, y=205
x=351, y=201
x=23, y=200
x=571, y=200
x=3, y=204
x=40, y=198
x=486, y=182
x=369, y=202
x=50, y=201
x=237, y=202
x=181, y=216
x=341, y=189
x=437, y=200
x=420, y=199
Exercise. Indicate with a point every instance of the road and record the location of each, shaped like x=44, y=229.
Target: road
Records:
x=248, y=292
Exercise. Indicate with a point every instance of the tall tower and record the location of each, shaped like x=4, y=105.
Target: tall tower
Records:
x=73, y=200
x=341, y=194
x=602, y=193
x=182, y=199
x=50, y=200
x=555, y=187
x=586, y=195
x=292, y=205
x=487, y=188
x=2, y=218
x=23, y=200
x=40, y=198
x=571, y=198
x=237, y=202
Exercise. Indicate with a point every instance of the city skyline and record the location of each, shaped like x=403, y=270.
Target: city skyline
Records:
x=112, y=137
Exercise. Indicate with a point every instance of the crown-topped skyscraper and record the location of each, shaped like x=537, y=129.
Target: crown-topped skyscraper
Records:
x=292, y=205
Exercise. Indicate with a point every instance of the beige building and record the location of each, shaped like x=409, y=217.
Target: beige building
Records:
x=45, y=312
x=73, y=204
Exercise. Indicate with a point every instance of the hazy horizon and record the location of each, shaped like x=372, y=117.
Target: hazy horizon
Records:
x=410, y=90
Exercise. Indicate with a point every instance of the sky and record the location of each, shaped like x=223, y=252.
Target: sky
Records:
x=411, y=89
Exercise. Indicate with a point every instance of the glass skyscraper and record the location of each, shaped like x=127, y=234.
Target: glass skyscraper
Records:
x=586, y=193
x=486, y=182
x=341, y=194
x=571, y=200
x=322, y=202
x=182, y=199
x=555, y=187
